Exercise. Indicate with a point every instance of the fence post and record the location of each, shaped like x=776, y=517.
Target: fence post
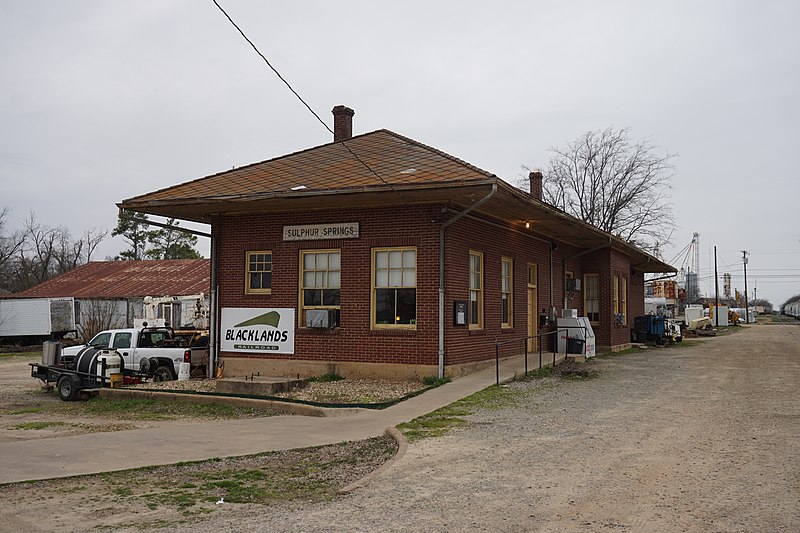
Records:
x=497, y=363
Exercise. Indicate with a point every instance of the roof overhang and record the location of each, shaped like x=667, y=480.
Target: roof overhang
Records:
x=509, y=206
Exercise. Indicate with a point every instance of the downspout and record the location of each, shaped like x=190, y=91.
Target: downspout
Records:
x=444, y=226
x=564, y=268
x=213, y=351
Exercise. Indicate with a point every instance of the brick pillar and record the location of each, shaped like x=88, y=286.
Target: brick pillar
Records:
x=342, y=123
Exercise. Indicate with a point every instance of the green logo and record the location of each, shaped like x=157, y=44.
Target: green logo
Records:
x=272, y=318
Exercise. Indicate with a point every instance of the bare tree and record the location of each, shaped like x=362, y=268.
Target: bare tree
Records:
x=618, y=185
x=97, y=316
x=9, y=245
x=46, y=251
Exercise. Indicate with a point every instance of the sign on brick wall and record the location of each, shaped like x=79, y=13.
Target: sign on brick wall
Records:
x=257, y=330
x=311, y=232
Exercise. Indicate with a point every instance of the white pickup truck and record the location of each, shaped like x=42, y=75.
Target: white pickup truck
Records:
x=152, y=350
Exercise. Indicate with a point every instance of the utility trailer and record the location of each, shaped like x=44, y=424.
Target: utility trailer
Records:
x=90, y=371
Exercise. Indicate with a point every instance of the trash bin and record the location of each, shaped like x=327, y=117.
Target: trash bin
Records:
x=575, y=345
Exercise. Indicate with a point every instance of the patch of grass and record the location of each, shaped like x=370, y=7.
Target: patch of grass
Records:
x=37, y=425
x=326, y=378
x=441, y=421
x=539, y=373
x=25, y=411
x=153, y=409
x=435, y=381
x=27, y=355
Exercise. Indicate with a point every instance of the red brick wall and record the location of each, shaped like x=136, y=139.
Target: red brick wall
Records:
x=464, y=345
x=354, y=340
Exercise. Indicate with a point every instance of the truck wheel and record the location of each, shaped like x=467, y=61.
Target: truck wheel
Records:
x=163, y=373
x=67, y=390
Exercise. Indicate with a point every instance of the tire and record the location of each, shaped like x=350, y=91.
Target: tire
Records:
x=67, y=390
x=163, y=373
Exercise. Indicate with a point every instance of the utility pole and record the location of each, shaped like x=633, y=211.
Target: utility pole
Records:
x=746, y=299
x=716, y=289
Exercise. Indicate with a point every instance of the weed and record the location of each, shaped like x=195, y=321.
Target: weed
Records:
x=539, y=373
x=326, y=378
x=434, y=381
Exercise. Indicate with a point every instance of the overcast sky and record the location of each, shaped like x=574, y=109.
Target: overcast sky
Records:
x=104, y=100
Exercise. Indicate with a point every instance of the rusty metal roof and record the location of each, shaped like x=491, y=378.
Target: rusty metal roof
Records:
x=380, y=160
x=372, y=170
x=125, y=279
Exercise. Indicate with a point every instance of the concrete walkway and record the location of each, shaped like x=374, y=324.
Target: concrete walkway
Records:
x=121, y=450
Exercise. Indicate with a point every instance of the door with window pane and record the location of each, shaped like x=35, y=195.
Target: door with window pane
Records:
x=533, y=306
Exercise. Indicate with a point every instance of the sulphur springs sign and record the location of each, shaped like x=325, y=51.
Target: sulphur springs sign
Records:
x=257, y=330
x=312, y=232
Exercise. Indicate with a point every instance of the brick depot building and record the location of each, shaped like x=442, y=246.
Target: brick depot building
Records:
x=418, y=262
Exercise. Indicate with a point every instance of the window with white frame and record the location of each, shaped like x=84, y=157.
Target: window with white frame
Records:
x=475, y=290
x=506, y=291
x=591, y=296
x=394, y=288
x=320, y=279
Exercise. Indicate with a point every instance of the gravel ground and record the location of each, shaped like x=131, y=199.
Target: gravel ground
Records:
x=698, y=438
x=342, y=391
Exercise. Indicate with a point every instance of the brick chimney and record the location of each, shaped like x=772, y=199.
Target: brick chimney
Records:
x=342, y=123
x=536, y=184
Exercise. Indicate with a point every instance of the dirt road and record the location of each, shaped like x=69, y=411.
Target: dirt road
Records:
x=700, y=438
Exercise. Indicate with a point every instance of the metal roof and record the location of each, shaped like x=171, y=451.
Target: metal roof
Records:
x=126, y=279
x=375, y=169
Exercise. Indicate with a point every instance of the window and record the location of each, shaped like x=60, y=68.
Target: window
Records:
x=394, y=293
x=258, y=275
x=320, y=273
x=506, y=291
x=171, y=313
x=615, y=293
x=475, y=290
x=101, y=340
x=591, y=296
x=122, y=340
x=623, y=303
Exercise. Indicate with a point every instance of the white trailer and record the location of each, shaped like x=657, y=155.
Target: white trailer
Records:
x=34, y=320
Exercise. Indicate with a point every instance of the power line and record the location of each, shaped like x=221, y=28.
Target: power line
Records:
x=273, y=68
x=324, y=124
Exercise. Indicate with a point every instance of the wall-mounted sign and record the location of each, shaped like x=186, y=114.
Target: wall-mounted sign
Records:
x=311, y=232
x=257, y=330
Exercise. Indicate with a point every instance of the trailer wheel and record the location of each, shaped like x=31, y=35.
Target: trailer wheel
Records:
x=163, y=373
x=67, y=390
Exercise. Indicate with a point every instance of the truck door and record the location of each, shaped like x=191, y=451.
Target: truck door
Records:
x=122, y=344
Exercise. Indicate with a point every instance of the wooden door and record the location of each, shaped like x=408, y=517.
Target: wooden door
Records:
x=533, y=307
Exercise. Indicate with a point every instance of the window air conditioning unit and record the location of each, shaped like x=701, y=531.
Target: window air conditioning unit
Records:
x=573, y=284
x=322, y=318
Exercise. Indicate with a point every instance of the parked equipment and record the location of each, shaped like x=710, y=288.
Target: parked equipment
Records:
x=655, y=329
x=92, y=369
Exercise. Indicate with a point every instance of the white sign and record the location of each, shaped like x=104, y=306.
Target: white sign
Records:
x=257, y=330
x=311, y=232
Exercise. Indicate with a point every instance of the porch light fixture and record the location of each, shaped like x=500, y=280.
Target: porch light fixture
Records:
x=527, y=225
x=297, y=188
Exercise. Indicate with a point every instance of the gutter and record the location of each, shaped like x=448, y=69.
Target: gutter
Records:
x=444, y=226
x=162, y=225
x=564, y=267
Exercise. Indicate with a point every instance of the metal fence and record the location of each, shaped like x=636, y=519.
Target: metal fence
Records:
x=538, y=338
